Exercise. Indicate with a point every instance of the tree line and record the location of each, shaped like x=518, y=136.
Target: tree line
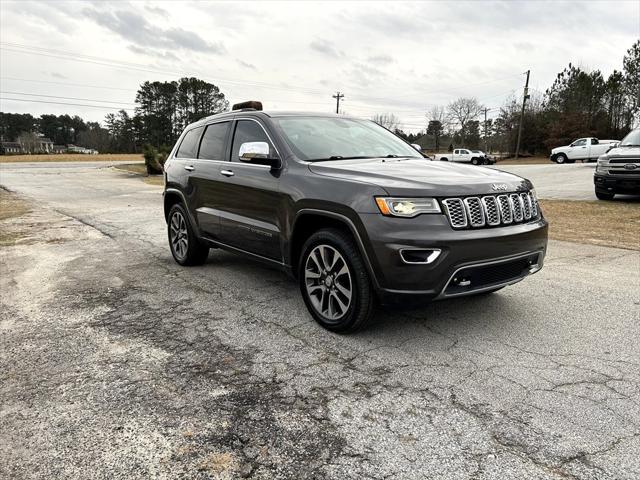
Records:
x=163, y=110
x=579, y=103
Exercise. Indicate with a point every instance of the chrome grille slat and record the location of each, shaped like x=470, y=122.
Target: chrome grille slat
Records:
x=475, y=212
x=491, y=210
x=454, y=209
x=534, y=205
x=516, y=207
x=526, y=204
x=506, y=213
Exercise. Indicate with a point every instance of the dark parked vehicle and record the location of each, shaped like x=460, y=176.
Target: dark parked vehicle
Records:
x=618, y=170
x=352, y=211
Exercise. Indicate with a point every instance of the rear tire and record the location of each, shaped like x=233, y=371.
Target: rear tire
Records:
x=604, y=195
x=444, y=159
x=334, y=282
x=561, y=158
x=186, y=247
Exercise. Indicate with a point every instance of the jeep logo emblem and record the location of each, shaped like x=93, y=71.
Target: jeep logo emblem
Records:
x=630, y=166
x=499, y=186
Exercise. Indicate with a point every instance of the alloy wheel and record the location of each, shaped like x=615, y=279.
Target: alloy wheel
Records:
x=328, y=282
x=179, y=235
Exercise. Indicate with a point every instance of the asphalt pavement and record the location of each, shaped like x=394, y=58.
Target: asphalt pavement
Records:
x=117, y=363
x=553, y=181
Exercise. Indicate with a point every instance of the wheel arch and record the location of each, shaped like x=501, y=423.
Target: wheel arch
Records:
x=308, y=221
x=173, y=196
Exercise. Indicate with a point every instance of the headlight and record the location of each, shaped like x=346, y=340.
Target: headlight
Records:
x=534, y=194
x=407, y=207
x=603, y=163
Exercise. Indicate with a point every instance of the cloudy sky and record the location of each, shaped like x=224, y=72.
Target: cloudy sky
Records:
x=401, y=58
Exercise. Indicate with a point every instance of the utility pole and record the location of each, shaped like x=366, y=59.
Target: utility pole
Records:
x=524, y=102
x=485, y=109
x=338, y=96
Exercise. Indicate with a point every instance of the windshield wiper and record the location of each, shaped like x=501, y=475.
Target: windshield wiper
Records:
x=337, y=157
x=629, y=145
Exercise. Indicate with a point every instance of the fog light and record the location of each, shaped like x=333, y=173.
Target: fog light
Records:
x=422, y=256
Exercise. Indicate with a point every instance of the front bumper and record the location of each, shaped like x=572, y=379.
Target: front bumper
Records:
x=625, y=183
x=460, y=249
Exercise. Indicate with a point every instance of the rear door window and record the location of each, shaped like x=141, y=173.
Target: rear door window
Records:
x=213, y=141
x=189, y=146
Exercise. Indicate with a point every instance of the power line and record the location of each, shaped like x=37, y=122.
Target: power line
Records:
x=61, y=103
x=72, y=56
x=66, y=98
x=84, y=85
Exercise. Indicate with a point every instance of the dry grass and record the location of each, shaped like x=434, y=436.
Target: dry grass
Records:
x=612, y=224
x=137, y=168
x=67, y=157
x=11, y=206
x=525, y=161
x=141, y=169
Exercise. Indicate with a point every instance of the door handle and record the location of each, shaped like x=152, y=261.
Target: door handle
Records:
x=189, y=168
x=227, y=173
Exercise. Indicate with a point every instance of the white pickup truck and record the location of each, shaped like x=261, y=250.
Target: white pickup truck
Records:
x=464, y=155
x=584, y=149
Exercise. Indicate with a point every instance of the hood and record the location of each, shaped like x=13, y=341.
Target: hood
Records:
x=630, y=153
x=416, y=177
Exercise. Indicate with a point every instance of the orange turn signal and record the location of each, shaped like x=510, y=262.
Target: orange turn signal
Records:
x=382, y=205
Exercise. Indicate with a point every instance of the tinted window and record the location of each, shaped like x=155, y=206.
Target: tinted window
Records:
x=580, y=143
x=212, y=145
x=249, y=131
x=189, y=146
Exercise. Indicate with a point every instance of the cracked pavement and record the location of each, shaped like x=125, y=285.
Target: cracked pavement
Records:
x=117, y=363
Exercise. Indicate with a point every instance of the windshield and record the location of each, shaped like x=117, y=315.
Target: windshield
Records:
x=334, y=138
x=632, y=139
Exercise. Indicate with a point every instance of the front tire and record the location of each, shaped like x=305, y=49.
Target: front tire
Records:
x=186, y=247
x=561, y=158
x=475, y=161
x=604, y=195
x=334, y=282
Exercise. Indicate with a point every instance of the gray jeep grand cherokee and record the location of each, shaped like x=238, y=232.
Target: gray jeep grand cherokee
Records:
x=350, y=210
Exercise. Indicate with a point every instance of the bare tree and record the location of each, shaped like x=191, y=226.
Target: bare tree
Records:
x=462, y=110
x=29, y=142
x=387, y=120
x=436, y=123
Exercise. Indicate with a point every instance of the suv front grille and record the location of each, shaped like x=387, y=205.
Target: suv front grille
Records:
x=491, y=210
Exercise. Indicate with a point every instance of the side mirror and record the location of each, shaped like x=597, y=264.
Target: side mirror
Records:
x=258, y=154
x=417, y=147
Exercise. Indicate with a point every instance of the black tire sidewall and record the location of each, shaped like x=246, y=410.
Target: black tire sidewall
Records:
x=604, y=195
x=361, y=304
x=561, y=159
x=196, y=252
